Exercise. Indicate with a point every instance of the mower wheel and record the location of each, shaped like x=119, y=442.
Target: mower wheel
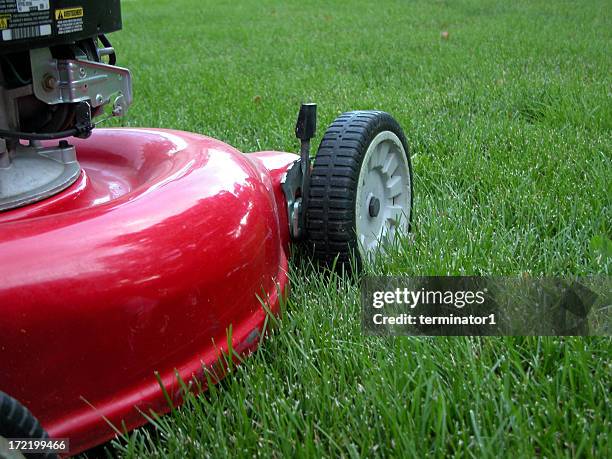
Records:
x=16, y=421
x=360, y=193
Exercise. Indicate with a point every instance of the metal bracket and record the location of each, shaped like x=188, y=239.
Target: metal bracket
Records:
x=291, y=184
x=58, y=81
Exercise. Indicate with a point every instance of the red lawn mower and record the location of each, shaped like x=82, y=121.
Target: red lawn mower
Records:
x=126, y=253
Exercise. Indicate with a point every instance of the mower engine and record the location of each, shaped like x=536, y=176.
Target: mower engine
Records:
x=57, y=73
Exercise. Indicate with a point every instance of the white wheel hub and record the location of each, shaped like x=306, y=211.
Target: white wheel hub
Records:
x=383, y=193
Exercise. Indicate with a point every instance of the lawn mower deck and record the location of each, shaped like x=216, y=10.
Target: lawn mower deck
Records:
x=166, y=240
x=130, y=258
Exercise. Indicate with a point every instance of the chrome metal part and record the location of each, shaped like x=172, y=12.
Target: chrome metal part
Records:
x=30, y=173
x=58, y=81
x=291, y=184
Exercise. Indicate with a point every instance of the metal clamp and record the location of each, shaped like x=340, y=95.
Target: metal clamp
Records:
x=58, y=81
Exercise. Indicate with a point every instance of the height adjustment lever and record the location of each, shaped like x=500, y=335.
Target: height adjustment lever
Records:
x=305, y=129
x=296, y=181
x=306, y=125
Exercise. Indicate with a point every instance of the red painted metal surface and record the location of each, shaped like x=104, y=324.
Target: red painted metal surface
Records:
x=166, y=240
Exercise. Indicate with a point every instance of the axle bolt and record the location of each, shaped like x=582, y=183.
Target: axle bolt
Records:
x=374, y=207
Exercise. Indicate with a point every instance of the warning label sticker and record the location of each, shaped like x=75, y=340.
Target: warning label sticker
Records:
x=23, y=6
x=69, y=20
x=21, y=19
x=68, y=13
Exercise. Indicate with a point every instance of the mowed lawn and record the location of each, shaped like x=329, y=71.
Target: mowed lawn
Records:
x=507, y=107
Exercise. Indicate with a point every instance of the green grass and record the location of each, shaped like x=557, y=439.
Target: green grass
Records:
x=509, y=120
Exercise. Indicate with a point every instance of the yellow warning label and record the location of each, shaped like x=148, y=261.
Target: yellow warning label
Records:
x=68, y=13
x=4, y=22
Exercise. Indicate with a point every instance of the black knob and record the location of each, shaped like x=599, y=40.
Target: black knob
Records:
x=306, y=125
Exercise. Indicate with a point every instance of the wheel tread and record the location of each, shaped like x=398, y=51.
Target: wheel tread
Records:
x=16, y=421
x=330, y=216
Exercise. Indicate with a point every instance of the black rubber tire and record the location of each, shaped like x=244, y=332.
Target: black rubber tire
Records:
x=331, y=213
x=16, y=421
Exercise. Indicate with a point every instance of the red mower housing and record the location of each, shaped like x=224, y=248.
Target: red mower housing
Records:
x=165, y=242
